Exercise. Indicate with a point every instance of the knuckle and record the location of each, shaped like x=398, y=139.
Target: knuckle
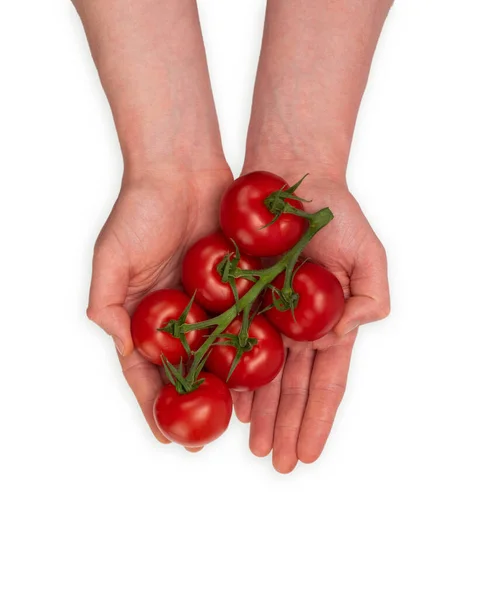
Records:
x=324, y=402
x=384, y=309
x=92, y=314
x=294, y=391
x=95, y=315
x=324, y=392
x=320, y=421
x=265, y=412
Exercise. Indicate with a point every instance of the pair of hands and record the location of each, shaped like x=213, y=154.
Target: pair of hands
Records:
x=140, y=249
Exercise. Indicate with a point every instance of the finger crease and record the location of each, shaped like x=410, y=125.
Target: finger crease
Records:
x=138, y=365
x=332, y=388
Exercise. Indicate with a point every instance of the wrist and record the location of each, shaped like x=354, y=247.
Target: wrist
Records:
x=315, y=141
x=294, y=159
x=169, y=146
x=156, y=152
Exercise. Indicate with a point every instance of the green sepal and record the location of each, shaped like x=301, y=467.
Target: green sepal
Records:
x=173, y=327
x=234, y=289
x=283, y=302
x=265, y=309
x=184, y=343
x=294, y=187
x=299, y=265
x=271, y=222
x=277, y=205
x=234, y=364
x=182, y=318
x=176, y=376
x=194, y=373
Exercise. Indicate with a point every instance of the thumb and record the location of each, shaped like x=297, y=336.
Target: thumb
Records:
x=369, y=299
x=109, y=285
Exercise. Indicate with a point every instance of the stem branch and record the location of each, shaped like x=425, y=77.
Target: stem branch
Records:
x=317, y=221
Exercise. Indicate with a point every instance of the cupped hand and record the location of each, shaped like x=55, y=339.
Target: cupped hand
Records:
x=294, y=414
x=140, y=249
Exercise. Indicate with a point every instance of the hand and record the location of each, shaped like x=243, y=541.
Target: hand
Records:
x=294, y=414
x=140, y=249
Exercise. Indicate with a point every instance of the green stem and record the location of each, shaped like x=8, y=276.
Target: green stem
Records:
x=297, y=211
x=288, y=276
x=317, y=221
x=243, y=334
x=247, y=273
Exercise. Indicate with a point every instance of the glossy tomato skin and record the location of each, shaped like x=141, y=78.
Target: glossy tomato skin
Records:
x=257, y=367
x=154, y=312
x=320, y=304
x=243, y=216
x=196, y=418
x=200, y=274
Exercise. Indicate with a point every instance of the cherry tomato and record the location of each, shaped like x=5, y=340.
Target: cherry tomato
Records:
x=155, y=311
x=196, y=418
x=200, y=273
x=320, y=304
x=258, y=366
x=244, y=216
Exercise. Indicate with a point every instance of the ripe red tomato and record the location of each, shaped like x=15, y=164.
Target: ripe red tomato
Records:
x=320, y=304
x=258, y=366
x=244, y=215
x=196, y=418
x=200, y=273
x=155, y=311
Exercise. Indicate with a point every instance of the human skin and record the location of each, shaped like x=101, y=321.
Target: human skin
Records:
x=308, y=90
x=152, y=65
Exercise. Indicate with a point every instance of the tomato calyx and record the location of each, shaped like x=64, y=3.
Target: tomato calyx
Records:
x=241, y=346
x=184, y=384
x=229, y=271
x=240, y=341
x=286, y=298
x=174, y=326
x=283, y=300
x=227, y=267
x=277, y=203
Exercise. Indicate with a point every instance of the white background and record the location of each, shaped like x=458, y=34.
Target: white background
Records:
x=91, y=507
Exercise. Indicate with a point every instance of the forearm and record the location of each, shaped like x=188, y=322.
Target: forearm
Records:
x=152, y=65
x=313, y=69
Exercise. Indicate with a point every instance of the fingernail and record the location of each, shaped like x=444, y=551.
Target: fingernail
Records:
x=118, y=344
x=351, y=327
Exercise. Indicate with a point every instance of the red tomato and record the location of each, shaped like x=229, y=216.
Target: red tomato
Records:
x=200, y=273
x=258, y=366
x=155, y=311
x=196, y=418
x=320, y=304
x=243, y=216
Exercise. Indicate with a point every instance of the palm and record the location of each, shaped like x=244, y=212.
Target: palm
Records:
x=294, y=414
x=153, y=226
x=140, y=249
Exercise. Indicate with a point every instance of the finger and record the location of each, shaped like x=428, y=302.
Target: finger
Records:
x=369, y=286
x=145, y=381
x=294, y=394
x=193, y=450
x=326, y=390
x=109, y=286
x=263, y=416
x=243, y=402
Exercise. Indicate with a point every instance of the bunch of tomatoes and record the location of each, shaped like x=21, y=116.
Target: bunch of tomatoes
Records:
x=224, y=330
